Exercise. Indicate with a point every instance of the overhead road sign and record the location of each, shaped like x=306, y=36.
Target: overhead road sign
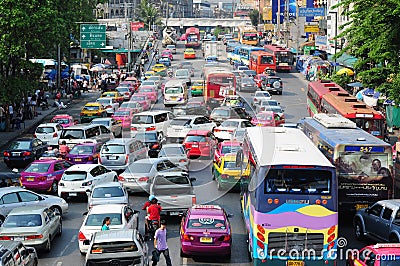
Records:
x=311, y=12
x=93, y=36
x=311, y=28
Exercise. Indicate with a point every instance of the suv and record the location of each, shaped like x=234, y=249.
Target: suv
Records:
x=15, y=253
x=85, y=133
x=273, y=84
x=221, y=114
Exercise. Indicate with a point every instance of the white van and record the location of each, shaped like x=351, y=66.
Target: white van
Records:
x=151, y=121
x=175, y=92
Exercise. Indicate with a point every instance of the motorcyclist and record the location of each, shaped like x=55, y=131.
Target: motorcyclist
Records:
x=153, y=212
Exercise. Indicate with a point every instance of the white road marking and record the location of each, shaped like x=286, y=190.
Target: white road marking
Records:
x=59, y=263
x=184, y=261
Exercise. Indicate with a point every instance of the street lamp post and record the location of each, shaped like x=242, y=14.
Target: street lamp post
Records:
x=336, y=20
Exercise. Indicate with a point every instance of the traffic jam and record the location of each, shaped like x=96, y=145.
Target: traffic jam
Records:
x=132, y=157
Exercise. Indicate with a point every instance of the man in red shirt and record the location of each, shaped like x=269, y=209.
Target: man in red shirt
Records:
x=154, y=210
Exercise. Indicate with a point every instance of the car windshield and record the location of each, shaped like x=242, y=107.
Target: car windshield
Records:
x=121, y=113
x=104, y=101
x=91, y=108
x=100, y=122
x=74, y=175
x=269, y=103
x=78, y=149
x=239, y=133
x=170, y=151
x=44, y=130
x=113, y=149
x=123, y=89
x=247, y=80
x=180, y=122
x=173, y=90
x=60, y=121
x=38, y=168
x=146, y=137
x=194, y=138
x=228, y=123
x=206, y=222
x=96, y=219
x=20, y=145
x=182, y=73
x=220, y=112
x=107, y=192
x=229, y=149
x=267, y=117
x=231, y=165
x=128, y=105
x=72, y=134
x=262, y=94
x=169, y=180
x=138, y=167
x=138, y=98
x=116, y=247
x=142, y=119
x=23, y=220
x=145, y=90
x=148, y=83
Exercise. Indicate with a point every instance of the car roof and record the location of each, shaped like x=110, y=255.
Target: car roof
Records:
x=174, y=173
x=102, y=119
x=109, y=184
x=86, y=144
x=266, y=112
x=48, y=125
x=31, y=209
x=198, y=132
x=5, y=190
x=386, y=249
x=106, y=208
x=184, y=117
x=236, y=119
x=172, y=145
x=149, y=160
x=152, y=112
x=206, y=210
x=119, y=141
x=92, y=104
x=392, y=203
x=114, y=235
x=230, y=143
x=82, y=167
x=47, y=160
x=62, y=115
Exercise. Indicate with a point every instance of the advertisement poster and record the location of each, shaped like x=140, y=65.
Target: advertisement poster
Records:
x=292, y=9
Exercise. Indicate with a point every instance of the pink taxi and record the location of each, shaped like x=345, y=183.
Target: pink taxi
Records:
x=268, y=119
x=124, y=115
x=226, y=147
x=142, y=99
x=167, y=53
x=385, y=254
x=64, y=120
x=150, y=91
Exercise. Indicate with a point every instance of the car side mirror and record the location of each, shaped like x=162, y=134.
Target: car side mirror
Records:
x=192, y=179
x=85, y=213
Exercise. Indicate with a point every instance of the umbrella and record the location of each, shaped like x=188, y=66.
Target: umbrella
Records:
x=96, y=69
x=355, y=84
x=347, y=71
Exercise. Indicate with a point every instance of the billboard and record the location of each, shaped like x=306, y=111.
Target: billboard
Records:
x=292, y=9
x=135, y=26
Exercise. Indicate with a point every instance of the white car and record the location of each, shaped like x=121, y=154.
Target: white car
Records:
x=49, y=133
x=176, y=153
x=122, y=217
x=180, y=126
x=260, y=96
x=172, y=48
x=110, y=104
x=110, y=123
x=80, y=178
x=226, y=130
x=107, y=193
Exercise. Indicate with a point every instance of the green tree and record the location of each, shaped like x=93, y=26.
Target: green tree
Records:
x=148, y=14
x=254, y=16
x=373, y=35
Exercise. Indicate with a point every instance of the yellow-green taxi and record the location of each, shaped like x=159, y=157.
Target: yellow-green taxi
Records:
x=148, y=74
x=91, y=111
x=159, y=68
x=197, y=87
x=227, y=174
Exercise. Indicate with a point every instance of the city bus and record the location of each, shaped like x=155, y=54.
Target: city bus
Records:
x=244, y=53
x=364, y=163
x=248, y=35
x=217, y=82
x=289, y=205
x=348, y=106
x=232, y=51
x=315, y=91
x=284, y=58
x=260, y=60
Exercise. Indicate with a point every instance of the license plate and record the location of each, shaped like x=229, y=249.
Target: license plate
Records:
x=174, y=213
x=119, y=121
x=73, y=194
x=173, y=98
x=260, y=125
x=112, y=157
x=15, y=153
x=30, y=179
x=206, y=239
x=78, y=160
x=237, y=177
x=195, y=146
x=295, y=263
x=361, y=206
x=18, y=238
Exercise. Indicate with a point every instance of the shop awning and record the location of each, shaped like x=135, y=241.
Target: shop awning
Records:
x=344, y=60
x=121, y=50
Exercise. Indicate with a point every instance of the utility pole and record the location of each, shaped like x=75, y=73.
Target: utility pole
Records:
x=278, y=21
x=286, y=23
x=298, y=4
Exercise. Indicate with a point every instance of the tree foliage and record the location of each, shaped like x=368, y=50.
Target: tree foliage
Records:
x=373, y=35
x=254, y=16
x=148, y=13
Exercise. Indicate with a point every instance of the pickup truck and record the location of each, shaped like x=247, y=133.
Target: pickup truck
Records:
x=381, y=221
x=174, y=191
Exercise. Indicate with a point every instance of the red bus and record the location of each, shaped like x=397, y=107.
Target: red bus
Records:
x=284, y=58
x=192, y=37
x=218, y=82
x=348, y=106
x=260, y=60
x=315, y=91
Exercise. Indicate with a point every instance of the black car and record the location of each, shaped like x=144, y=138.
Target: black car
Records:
x=191, y=108
x=10, y=179
x=273, y=84
x=220, y=114
x=153, y=141
x=23, y=151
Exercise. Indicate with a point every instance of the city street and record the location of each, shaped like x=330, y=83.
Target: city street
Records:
x=65, y=249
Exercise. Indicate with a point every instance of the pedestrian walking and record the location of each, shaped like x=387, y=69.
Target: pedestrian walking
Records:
x=106, y=224
x=160, y=245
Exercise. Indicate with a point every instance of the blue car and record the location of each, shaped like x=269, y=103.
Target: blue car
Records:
x=165, y=60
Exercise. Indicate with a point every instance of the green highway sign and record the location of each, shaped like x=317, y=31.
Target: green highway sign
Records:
x=93, y=36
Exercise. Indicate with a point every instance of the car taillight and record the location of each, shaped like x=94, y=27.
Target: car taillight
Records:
x=108, y=106
x=5, y=238
x=188, y=237
x=224, y=176
x=193, y=200
x=42, y=178
x=81, y=236
x=225, y=238
x=121, y=178
x=126, y=159
x=6, y=154
x=26, y=153
x=230, y=130
x=150, y=128
x=33, y=237
x=155, y=146
x=182, y=160
x=90, y=158
x=34, y=135
x=55, y=135
x=82, y=114
x=134, y=128
x=99, y=159
x=217, y=130
x=143, y=179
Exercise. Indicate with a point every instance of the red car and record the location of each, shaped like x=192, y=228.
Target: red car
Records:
x=124, y=115
x=167, y=53
x=259, y=78
x=150, y=91
x=268, y=119
x=226, y=147
x=200, y=143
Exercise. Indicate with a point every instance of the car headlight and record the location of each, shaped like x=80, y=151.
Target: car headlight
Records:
x=88, y=183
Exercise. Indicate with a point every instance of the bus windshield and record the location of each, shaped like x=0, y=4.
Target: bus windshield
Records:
x=267, y=59
x=226, y=80
x=298, y=181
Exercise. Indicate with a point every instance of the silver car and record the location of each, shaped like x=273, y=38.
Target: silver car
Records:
x=117, y=247
x=247, y=84
x=138, y=176
x=117, y=154
x=107, y=193
x=14, y=197
x=33, y=226
x=110, y=123
x=12, y=251
x=176, y=153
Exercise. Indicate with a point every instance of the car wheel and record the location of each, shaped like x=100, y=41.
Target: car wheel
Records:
x=219, y=186
x=393, y=239
x=54, y=187
x=358, y=230
x=48, y=245
x=60, y=229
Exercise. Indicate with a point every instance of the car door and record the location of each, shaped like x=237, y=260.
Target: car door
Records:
x=52, y=222
x=105, y=175
x=372, y=217
x=105, y=135
x=8, y=202
x=382, y=230
x=28, y=198
x=95, y=173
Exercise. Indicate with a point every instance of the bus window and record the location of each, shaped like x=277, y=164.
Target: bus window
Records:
x=267, y=60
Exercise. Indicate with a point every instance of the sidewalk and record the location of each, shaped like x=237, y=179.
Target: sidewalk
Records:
x=30, y=125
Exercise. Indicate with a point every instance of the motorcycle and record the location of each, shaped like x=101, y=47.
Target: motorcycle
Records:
x=150, y=230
